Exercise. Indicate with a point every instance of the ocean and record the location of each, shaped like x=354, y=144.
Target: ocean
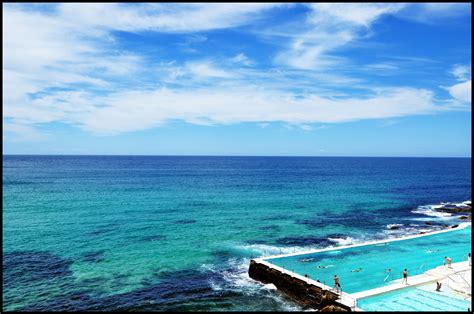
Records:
x=166, y=233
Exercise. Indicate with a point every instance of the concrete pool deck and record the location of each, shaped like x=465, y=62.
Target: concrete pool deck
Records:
x=454, y=278
x=456, y=285
x=440, y=273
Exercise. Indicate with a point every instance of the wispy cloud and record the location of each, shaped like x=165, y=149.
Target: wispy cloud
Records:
x=138, y=110
x=163, y=17
x=329, y=27
x=461, y=72
x=432, y=13
x=207, y=69
x=241, y=58
x=24, y=132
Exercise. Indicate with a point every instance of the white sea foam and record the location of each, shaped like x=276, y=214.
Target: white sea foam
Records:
x=215, y=286
x=343, y=241
x=270, y=286
x=394, y=234
x=267, y=250
x=430, y=210
x=235, y=278
x=390, y=226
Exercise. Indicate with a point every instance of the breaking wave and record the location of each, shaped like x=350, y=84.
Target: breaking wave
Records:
x=257, y=250
x=343, y=241
x=430, y=210
x=234, y=277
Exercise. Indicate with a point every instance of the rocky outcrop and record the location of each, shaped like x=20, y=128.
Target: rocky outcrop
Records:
x=453, y=209
x=332, y=308
x=308, y=295
x=461, y=208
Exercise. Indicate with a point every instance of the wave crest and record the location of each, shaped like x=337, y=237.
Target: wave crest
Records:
x=430, y=210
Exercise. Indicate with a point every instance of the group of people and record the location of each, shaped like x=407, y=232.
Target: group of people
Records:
x=447, y=261
x=337, y=284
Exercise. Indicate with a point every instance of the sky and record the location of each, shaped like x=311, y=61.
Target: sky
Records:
x=312, y=79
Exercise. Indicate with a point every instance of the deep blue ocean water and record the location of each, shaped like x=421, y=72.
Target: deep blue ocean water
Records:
x=177, y=233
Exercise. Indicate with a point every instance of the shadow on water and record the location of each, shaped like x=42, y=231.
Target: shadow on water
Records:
x=186, y=290
x=185, y=221
x=94, y=256
x=27, y=267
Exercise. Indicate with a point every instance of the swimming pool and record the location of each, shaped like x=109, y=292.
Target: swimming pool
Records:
x=379, y=264
x=422, y=298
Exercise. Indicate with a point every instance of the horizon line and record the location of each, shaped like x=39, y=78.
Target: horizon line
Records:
x=184, y=155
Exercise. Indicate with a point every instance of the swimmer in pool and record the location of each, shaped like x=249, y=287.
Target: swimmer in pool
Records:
x=356, y=270
x=388, y=270
x=305, y=260
x=320, y=266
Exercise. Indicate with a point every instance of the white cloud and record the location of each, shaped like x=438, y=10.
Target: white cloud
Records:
x=362, y=14
x=461, y=91
x=331, y=26
x=241, y=58
x=328, y=27
x=42, y=51
x=142, y=109
x=461, y=72
x=71, y=44
x=164, y=17
x=207, y=69
x=24, y=132
x=383, y=67
x=138, y=110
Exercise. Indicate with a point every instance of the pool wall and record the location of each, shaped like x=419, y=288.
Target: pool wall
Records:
x=305, y=291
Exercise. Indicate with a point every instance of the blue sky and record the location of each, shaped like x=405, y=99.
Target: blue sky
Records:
x=387, y=79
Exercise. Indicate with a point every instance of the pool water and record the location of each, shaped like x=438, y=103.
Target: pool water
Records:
x=374, y=260
x=422, y=298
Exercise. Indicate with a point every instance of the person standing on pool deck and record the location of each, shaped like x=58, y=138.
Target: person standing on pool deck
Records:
x=405, y=277
x=337, y=285
x=469, y=259
x=448, y=260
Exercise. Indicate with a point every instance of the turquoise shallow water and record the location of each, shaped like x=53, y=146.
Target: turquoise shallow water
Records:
x=373, y=261
x=177, y=233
